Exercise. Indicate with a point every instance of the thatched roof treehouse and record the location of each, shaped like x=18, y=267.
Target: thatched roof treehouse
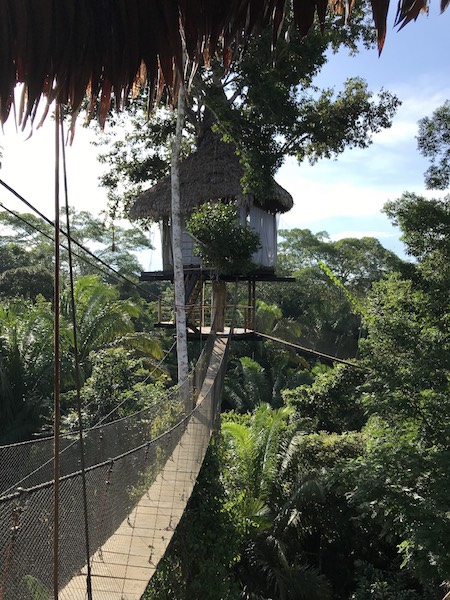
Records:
x=213, y=174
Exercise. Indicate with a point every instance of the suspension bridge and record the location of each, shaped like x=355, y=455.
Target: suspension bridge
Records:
x=139, y=474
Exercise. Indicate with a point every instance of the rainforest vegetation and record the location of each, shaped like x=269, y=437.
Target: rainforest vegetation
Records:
x=325, y=481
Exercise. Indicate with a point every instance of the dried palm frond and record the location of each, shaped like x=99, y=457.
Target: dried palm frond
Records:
x=108, y=48
x=409, y=10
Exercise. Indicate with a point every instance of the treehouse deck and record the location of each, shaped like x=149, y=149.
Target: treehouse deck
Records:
x=238, y=333
x=258, y=275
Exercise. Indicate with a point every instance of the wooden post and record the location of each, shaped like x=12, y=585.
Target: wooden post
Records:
x=253, y=304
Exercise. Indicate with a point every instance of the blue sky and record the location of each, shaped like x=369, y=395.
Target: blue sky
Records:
x=343, y=196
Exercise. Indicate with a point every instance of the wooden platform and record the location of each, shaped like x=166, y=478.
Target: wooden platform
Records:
x=258, y=275
x=239, y=333
x=122, y=568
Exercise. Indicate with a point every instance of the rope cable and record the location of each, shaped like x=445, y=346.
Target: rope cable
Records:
x=310, y=351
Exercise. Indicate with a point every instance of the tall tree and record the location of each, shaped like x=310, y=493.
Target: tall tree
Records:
x=27, y=239
x=433, y=142
x=178, y=272
x=268, y=106
x=402, y=480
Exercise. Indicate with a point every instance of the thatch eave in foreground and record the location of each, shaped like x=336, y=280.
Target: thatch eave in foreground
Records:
x=65, y=50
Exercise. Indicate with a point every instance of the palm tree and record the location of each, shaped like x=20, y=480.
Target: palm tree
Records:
x=26, y=367
x=272, y=501
x=246, y=385
x=101, y=319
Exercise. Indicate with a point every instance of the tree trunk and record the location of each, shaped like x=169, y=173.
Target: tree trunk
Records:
x=219, y=299
x=178, y=273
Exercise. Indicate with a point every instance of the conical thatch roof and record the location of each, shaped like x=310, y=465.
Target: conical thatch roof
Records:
x=213, y=172
x=109, y=48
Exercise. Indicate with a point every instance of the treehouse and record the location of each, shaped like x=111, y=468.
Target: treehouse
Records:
x=213, y=173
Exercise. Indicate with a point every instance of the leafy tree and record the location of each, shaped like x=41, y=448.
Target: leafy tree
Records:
x=357, y=262
x=433, y=143
x=27, y=282
x=425, y=226
x=332, y=402
x=272, y=500
x=28, y=239
x=271, y=108
x=12, y=255
x=246, y=385
x=101, y=318
x=374, y=584
x=267, y=106
x=332, y=280
x=222, y=242
x=26, y=367
x=119, y=383
x=402, y=479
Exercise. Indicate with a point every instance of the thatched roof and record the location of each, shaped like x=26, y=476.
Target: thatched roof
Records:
x=211, y=173
x=109, y=48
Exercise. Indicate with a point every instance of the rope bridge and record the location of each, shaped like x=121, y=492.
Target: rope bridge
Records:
x=138, y=478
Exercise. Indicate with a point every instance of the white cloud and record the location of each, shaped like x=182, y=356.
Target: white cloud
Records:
x=28, y=167
x=360, y=234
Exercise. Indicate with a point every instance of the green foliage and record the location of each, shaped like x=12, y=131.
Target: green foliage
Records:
x=433, y=143
x=137, y=152
x=374, y=584
x=26, y=242
x=26, y=367
x=356, y=262
x=272, y=109
x=332, y=282
x=118, y=382
x=221, y=241
x=26, y=358
x=101, y=317
x=356, y=306
x=36, y=589
x=272, y=499
x=402, y=479
x=246, y=385
x=407, y=350
x=332, y=402
x=12, y=255
x=267, y=105
x=425, y=226
x=27, y=282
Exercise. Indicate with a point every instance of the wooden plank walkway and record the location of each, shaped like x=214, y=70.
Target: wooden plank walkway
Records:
x=124, y=565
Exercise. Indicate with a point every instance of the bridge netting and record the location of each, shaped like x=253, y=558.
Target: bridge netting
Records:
x=138, y=480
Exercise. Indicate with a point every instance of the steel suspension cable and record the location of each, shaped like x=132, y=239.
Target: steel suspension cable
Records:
x=77, y=373
x=19, y=217
x=76, y=242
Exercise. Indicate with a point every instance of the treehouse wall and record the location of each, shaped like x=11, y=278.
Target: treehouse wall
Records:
x=264, y=223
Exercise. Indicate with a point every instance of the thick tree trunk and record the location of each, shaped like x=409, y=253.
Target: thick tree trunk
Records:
x=178, y=273
x=219, y=299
